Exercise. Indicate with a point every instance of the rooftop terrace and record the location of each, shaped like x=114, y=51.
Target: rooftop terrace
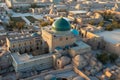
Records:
x=111, y=36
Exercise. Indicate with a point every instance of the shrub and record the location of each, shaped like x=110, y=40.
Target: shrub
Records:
x=113, y=57
x=109, y=27
x=104, y=58
x=101, y=23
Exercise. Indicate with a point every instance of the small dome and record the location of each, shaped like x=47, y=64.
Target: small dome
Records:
x=35, y=34
x=75, y=32
x=61, y=25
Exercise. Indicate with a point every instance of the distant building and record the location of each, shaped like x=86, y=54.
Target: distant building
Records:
x=19, y=3
x=24, y=62
x=79, y=16
x=111, y=41
x=59, y=38
x=24, y=3
x=104, y=40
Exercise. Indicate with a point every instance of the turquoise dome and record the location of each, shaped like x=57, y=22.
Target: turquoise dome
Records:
x=61, y=25
x=35, y=34
x=75, y=32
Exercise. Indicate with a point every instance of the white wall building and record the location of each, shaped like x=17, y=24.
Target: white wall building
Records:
x=111, y=40
x=24, y=62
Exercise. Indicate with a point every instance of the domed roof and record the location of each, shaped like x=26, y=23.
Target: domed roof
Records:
x=61, y=25
x=75, y=32
x=35, y=34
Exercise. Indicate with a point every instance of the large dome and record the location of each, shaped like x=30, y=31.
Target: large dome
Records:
x=61, y=25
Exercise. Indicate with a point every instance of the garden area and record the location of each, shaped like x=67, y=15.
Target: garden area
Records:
x=45, y=23
x=106, y=57
x=16, y=23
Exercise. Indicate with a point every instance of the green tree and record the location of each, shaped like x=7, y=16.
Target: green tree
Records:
x=104, y=58
x=33, y=5
x=109, y=27
x=20, y=25
x=91, y=22
x=113, y=57
x=101, y=24
x=115, y=24
x=107, y=15
x=44, y=24
x=12, y=24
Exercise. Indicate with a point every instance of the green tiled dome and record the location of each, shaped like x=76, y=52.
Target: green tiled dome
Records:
x=35, y=34
x=61, y=25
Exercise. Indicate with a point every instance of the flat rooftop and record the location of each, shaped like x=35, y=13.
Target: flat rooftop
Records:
x=78, y=12
x=56, y=18
x=59, y=5
x=111, y=36
x=81, y=45
x=25, y=58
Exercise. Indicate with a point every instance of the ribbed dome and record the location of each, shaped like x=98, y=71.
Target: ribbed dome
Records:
x=61, y=25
